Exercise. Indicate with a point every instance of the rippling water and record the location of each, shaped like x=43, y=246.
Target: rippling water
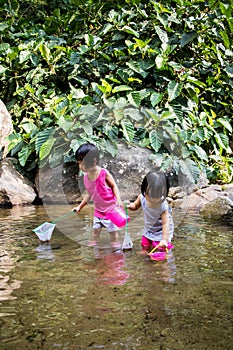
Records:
x=59, y=296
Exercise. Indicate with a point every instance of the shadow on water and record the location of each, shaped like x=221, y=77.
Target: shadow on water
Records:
x=58, y=295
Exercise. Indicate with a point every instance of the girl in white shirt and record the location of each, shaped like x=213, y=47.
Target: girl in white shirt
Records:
x=158, y=222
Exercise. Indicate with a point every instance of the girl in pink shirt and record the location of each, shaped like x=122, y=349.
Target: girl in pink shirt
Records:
x=101, y=189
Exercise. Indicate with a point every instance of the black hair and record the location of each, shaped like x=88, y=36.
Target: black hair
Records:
x=88, y=153
x=155, y=185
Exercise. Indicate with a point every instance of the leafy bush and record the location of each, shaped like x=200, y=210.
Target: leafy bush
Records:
x=158, y=74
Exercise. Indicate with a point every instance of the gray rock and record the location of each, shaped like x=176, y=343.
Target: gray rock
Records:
x=61, y=184
x=64, y=184
x=219, y=208
x=16, y=189
x=4, y=200
x=129, y=168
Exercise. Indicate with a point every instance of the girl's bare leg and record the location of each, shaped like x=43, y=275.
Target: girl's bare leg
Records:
x=95, y=242
x=95, y=237
x=114, y=241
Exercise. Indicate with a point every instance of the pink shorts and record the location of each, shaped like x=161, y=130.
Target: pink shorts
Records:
x=146, y=243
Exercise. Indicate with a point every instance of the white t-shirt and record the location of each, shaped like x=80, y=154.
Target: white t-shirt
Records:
x=153, y=220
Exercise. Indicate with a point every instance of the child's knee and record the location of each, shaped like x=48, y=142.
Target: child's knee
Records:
x=113, y=236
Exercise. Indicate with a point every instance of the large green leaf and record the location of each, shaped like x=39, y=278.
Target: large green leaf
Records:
x=223, y=141
x=133, y=114
x=156, y=98
x=167, y=163
x=23, y=155
x=45, y=52
x=229, y=70
x=226, y=123
x=111, y=148
x=156, y=139
x=130, y=30
x=46, y=148
x=187, y=37
x=24, y=56
x=42, y=137
x=121, y=88
x=174, y=90
x=28, y=126
x=189, y=168
x=200, y=152
x=161, y=34
x=128, y=130
x=16, y=143
x=137, y=67
x=65, y=124
x=134, y=98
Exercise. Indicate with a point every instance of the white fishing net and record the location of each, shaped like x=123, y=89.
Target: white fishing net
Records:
x=44, y=231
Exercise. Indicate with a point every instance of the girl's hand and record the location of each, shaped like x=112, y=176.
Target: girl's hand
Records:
x=131, y=206
x=163, y=243
x=82, y=204
x=135, y=205
x=76, y=209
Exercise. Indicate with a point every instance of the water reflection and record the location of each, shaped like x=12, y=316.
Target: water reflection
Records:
x=58, y=295
x=166, y=269
x=110, y=270
x=161, y=270
x=18, y=213
x=7, y=263
x=44, y=251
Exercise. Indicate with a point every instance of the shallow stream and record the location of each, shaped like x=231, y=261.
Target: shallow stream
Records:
x=59, y=296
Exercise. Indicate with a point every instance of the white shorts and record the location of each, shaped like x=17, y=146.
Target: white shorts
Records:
x=108, y=224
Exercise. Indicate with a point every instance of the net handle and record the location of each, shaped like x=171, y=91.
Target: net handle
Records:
x=126, y=212
x=156, y=247
x=126, y=225
x=63, y=216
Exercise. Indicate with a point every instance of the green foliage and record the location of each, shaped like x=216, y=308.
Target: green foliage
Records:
x=158, y=74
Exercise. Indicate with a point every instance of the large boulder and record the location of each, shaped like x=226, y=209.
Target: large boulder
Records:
x=6, y=128
x=14, y=188
x=228, y=190
x=59, y=185
x=128, y=168
x=200, y=197
x=64, y=184
x=220, y=208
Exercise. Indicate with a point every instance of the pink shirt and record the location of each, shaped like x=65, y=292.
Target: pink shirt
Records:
x=101, y=194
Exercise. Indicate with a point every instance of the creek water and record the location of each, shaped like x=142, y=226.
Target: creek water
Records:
x=57, y=295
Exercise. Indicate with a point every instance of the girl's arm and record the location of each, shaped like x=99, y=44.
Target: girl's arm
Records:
x=135, y=205
x=165, y=229
x=85, y=200
x=111, y=183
